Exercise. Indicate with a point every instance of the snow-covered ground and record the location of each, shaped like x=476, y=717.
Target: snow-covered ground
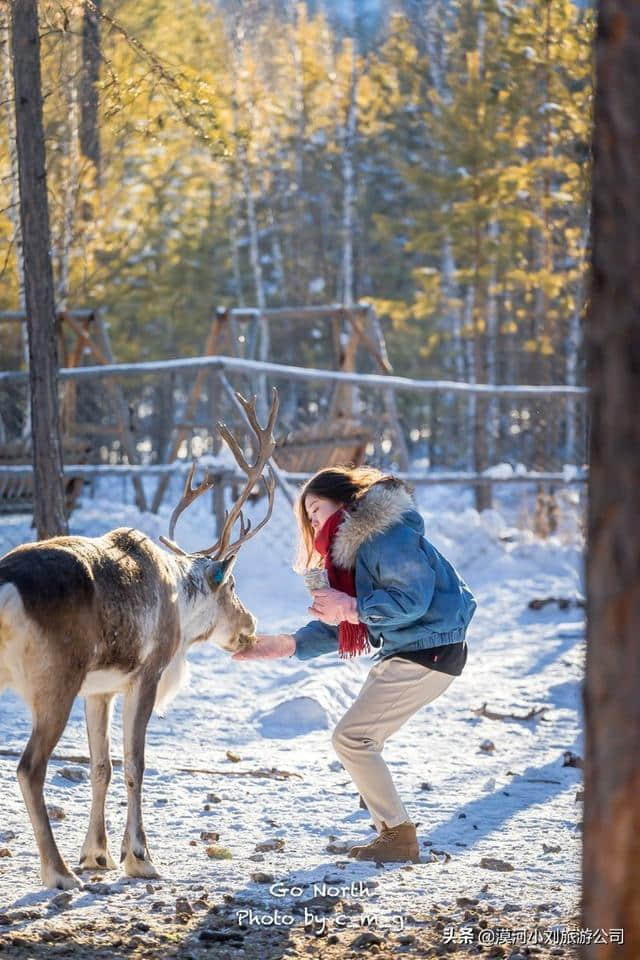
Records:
x=515, y=801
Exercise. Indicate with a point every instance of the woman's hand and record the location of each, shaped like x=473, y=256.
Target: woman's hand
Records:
x=334, y=606
x=268, y=647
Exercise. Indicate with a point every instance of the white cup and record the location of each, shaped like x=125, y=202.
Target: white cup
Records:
x=317, y=579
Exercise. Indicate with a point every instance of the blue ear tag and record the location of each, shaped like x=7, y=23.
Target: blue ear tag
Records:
x=218, y=575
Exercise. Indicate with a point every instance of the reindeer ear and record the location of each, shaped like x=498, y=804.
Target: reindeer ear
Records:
x=218, y=572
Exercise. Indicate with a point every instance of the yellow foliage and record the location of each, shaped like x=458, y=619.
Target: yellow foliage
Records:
x=509, y=326
x=195, y=119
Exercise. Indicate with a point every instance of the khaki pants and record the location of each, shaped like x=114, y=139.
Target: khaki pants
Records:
x=393, y=691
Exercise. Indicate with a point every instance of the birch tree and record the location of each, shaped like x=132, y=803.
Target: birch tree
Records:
x=6, y=95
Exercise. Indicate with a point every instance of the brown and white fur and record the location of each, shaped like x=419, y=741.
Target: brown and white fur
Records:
x=96, y=617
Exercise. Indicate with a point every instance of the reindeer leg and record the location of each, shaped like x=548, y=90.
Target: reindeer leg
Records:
x=50, y=716
x=95, y=853
x=138, y=704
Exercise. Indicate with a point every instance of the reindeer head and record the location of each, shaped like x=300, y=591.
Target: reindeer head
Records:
x=216, y=610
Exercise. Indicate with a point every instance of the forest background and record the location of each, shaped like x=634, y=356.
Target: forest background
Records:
x=430, y=158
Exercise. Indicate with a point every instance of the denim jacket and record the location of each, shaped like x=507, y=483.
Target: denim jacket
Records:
x=409, y=596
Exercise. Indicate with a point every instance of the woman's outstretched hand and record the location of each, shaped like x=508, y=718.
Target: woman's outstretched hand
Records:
x=268, y=646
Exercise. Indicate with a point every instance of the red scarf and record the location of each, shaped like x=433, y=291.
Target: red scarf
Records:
x=353, y=638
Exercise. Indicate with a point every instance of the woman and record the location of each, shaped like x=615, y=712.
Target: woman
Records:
x=390, y=589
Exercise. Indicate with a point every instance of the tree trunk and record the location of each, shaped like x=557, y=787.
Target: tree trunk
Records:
x=48, y=489
x=6, y=94
x=469, y=349
x=234, y=239
x=346, y=398
x=478, y=404
x=243, y=106
x=6, y=90
x=571, y=366
x=611, y=856
x=89, y=79
x=299, y=290
x=71, y=168
x=258, y=279
x=492, y=409
x=348, y=202
x=545, y=435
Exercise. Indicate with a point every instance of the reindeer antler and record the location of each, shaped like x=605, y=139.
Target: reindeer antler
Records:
x=266, y=444
x=189, y=494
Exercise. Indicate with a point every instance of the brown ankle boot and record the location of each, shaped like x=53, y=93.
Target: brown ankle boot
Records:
x=392, y=845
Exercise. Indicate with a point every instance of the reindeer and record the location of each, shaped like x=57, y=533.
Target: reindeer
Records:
x=98, y=616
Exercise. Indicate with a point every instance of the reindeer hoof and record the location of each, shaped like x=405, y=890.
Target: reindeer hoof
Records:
x=135, y=866
x=57, y=880
x=97, y=860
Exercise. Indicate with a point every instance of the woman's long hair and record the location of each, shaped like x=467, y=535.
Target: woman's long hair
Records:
x=343, y=485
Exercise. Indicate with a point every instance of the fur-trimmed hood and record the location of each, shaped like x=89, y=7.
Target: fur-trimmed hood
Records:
x=384, y=504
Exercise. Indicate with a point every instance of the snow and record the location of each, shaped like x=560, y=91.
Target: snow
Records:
x=242, y=365
x=470, y=802
x=293, y=718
